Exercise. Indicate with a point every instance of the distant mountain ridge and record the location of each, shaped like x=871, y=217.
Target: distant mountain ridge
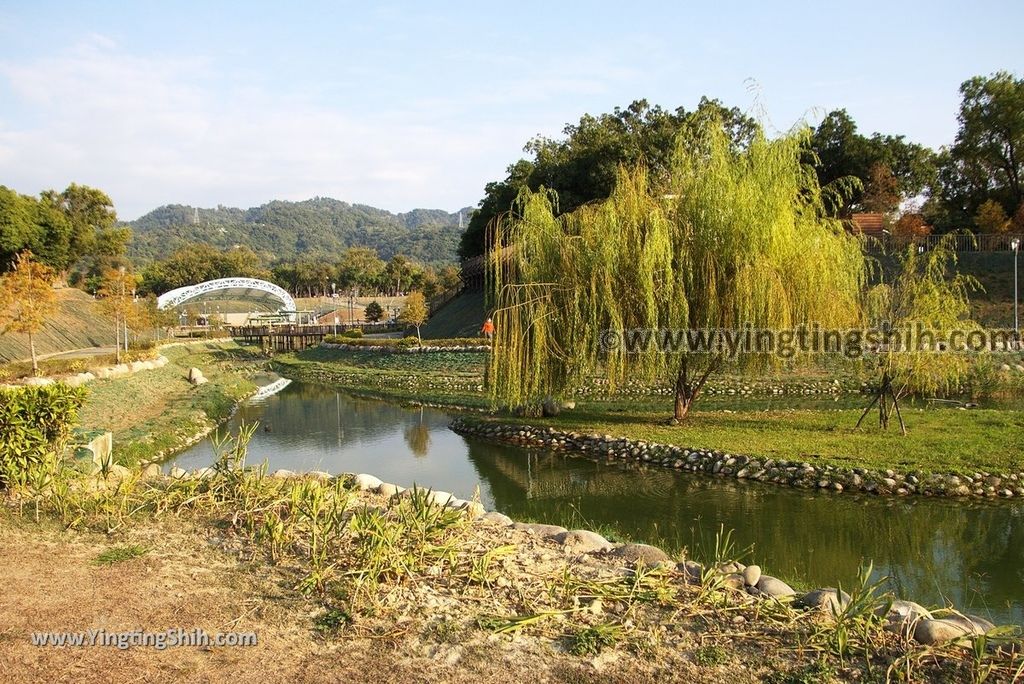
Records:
x=282, y=229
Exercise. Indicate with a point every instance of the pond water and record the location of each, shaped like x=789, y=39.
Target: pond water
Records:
x=933, y=551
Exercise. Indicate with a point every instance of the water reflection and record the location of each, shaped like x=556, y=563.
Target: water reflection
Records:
x=969, y=553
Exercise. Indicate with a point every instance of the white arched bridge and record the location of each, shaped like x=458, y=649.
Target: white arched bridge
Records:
x=259, y=292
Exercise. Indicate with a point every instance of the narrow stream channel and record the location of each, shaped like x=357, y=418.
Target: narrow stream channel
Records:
x=970, y=554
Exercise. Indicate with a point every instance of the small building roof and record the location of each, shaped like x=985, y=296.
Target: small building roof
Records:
x=869, y=223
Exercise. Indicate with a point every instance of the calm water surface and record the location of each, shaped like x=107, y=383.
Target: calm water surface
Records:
x=933, y=551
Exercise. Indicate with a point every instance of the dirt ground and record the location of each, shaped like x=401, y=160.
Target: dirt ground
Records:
x=53, y=583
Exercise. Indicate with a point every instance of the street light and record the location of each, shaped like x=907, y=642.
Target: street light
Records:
x=1015, y=245
x=334, y=306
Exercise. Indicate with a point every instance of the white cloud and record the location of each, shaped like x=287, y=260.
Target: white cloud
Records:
x=151, y=131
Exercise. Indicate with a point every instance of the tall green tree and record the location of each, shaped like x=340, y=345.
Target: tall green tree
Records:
x=841, y=153
x=27, y=299
x=991, y=134
x=398, y=273
x=198, y=263
x=18, y=230
x=581, y=166
x=359, y=269
x=729, y=237
x=985, y=163
x=374, y=311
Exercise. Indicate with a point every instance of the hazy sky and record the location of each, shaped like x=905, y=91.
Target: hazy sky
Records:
x=421, y=104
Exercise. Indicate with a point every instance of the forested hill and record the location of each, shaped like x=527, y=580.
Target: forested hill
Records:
x=281, y=229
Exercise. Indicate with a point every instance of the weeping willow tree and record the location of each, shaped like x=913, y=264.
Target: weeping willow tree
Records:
x=732, y=237
x=926, y=302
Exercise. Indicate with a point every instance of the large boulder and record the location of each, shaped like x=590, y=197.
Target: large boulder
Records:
x=583, y=541
x=692, y=571
x=499, y=518
x=774, y=587
x=641, y=553
x=540, y=529
x=366, y=482
x=151, y=471
x=827, y=599
x=118, y=471
x=751, y=575
x=903, y=616
x=930, y=632
x=388, y=489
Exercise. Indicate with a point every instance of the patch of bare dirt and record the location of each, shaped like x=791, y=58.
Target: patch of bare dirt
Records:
x=53, y=583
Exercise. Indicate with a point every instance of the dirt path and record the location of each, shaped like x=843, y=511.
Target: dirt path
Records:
x=53, y=583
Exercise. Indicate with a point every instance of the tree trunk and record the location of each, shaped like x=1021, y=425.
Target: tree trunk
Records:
x=117, y=340
x=688, y=388
x=684, y=399
x=32, y=348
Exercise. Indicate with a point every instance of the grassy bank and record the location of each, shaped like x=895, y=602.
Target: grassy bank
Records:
x=443, y=378
x=152, y=413
x=341, y=583
x=940, y=439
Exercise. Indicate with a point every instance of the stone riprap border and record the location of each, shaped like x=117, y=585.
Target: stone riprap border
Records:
x=747, y=582
x=733, y=387
x=907, y=618
x=118, y=371
x=772, y=471
x=401, y=349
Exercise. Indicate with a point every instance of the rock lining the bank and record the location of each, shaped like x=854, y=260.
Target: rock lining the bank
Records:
x=790, y=473
x=108, y=372
x=904, y=617
x=401, y=349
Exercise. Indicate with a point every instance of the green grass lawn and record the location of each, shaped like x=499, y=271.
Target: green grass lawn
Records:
x=938, y=439
x=155, y=410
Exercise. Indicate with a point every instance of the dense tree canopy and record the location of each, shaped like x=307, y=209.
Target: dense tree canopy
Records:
x=74, y=230
x=840, y=152
x=199, y=263
x=581, y=167
x=879, y=172
x=292, y=230
x=359, y=271
x=985, y=163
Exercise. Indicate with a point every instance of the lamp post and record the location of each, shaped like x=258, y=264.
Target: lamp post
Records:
x=334, y=306
x=1015, y=244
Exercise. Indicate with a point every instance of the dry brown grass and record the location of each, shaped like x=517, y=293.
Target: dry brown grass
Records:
x=53, y=583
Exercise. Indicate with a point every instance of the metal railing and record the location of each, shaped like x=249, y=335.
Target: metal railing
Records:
x=959, y=242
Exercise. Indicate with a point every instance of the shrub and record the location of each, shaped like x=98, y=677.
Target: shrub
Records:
x=406, y=341
x=34, y=422
x=372, y=341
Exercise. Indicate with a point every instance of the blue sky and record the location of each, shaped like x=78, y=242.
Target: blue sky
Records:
x=421, y=104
